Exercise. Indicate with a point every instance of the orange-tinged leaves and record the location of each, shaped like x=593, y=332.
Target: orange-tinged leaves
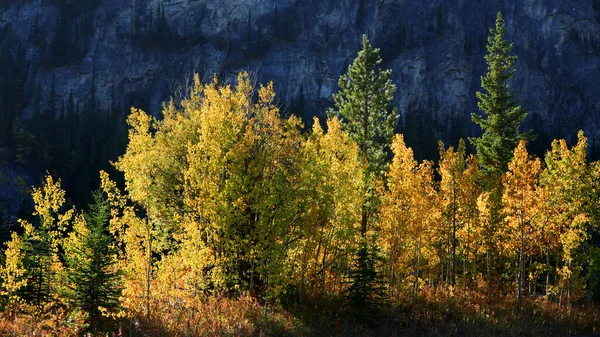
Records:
x=521, y=199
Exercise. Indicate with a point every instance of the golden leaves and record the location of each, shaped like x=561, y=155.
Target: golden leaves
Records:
x=521, y=198
x=408, y=210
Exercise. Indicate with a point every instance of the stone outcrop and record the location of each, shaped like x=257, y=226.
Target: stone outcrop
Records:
x=434, y=47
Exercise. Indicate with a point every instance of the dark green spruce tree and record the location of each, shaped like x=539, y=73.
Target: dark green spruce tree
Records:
x=364, y=105
x=37, y=260
x=502, y=113
x=93, y=279
x=500, y=124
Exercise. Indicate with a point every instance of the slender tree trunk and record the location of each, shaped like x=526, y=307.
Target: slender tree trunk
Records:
x=547, y=287
x=521, y=267
x=391, y=285
x=318, y=254
x=417, y=268
x=489, y=276
x=323, y=268
x=557, y=280
x=363, y=221
x=467, y=251
x=251, y=275
x=443, y=271
x=526, y=276
x=570, y=290
x=39, y=287
x=453, y=263
x=267, y=289
x=148, y=265
x=302, y=275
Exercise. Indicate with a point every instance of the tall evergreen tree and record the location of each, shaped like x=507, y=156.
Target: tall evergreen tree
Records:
x=503, y=115
x=363, y=104
x=93, y=280
x=500, y=125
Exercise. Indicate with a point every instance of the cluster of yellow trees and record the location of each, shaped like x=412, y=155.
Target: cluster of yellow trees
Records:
x=234, y=199
x=527, y=233
x=223, y=196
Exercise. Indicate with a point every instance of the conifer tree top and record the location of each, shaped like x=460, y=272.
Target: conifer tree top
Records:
x=364, y=104
x=502, y=114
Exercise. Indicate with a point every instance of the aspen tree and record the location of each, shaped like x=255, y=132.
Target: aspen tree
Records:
x=521, y=203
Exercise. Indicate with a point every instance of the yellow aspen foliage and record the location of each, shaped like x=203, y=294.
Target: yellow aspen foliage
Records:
x=13, y=272
x=240, y=186
x=567, y=183
x=48, y=201
x=471, y=190
x=330, y=172
x=132, y=237
x=520, y=200
x=458, y=192
x=210, y=200
x=482, y=233
x=488, y=234
x=521, y=197
x=72, y=243
x=33, y=266
x=408, y=215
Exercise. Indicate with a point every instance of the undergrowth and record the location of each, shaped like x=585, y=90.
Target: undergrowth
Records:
x=431, y=312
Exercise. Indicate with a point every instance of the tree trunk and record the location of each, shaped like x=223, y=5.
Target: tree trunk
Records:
x=417, y=267
x=467, y=250
x=363, y=221
x=521, y=268
x=547, y=288
x=453, y=262
x=489, y=277
x=570, y=290
x=148, y=265
x=527, y=278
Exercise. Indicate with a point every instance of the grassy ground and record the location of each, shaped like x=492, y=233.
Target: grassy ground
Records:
x=431, y=313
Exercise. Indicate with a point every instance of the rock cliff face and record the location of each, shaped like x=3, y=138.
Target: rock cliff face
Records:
x=141, y=51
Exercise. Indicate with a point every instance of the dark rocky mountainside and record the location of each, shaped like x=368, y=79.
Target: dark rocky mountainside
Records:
x=141, y=51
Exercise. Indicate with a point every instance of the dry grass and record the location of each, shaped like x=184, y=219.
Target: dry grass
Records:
x=211, y=317
x=433, y=312
x=51, y=321
x=243, y=316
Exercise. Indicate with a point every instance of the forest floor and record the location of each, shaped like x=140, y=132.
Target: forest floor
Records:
x=431, y=313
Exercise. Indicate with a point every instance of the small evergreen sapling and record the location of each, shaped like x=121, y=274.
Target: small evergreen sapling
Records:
x=93, y=279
